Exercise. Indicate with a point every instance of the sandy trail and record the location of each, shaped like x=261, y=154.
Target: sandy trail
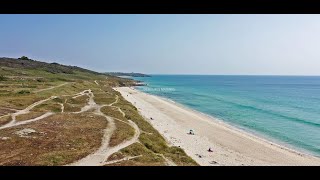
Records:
x=82, y=93
x=40, y=90
x=13, y=122
x=9, y=109
x=91, y=103
x=5, y=115
x=230, y=145
x=62, y=107
x=123, y=159
x=168, y=161
x=27, y=121
x=26, y=111
x=99, y=157
x=117, y=99
x=96, y=82
x=124, y=144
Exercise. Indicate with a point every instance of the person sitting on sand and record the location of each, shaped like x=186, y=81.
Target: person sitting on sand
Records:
x=191, y=132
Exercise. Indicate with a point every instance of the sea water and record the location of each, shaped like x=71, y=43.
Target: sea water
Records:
x=284, y=109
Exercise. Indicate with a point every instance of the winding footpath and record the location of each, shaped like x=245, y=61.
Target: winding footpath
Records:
x=13, y=122
x=40, y=90
x=100, y=157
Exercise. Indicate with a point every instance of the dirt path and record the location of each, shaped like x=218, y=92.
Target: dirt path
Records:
x=96, y=82
x=62, y=107
x=13, y=122
x=123, y=159
x=91, y=103
x=27, y=121
x=168, y=161
x=99, y=157
x=26, y=111
x=40, y=90
x=123, y=114
x=117, y=99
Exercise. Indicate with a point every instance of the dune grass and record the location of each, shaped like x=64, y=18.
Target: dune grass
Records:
x=152, y=140
x=122, y=133
x=146, y=156
x=65, y=137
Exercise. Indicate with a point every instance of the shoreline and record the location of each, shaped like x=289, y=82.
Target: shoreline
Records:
x=230, y=143
x=238, y=128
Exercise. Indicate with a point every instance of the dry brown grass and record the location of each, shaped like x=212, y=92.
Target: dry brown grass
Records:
x=147, y=158
x=64, y=138
x=47, y=107
x=59, y=139
x=103, y=98
x=20, y=102
x=81, y=100
x=5, y=120
x=4, y=111
x=71, y=107
x=28, y=116
x=122, y=133
x=113, y=112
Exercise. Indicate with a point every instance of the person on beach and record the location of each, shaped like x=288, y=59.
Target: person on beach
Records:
x=191, y=132
x=210, y=150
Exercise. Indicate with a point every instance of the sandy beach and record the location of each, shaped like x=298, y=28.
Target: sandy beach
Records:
x=230, y=145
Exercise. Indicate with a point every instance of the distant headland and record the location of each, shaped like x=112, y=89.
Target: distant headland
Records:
x=132, y=74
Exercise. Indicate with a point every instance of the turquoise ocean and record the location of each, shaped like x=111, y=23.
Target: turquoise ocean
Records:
x=282, y=109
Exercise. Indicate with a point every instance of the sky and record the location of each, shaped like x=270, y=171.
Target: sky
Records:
x=168, y=44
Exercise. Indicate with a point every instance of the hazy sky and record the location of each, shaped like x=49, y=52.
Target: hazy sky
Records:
x=168, y=44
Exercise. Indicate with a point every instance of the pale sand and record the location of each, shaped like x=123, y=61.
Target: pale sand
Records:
x=230, y=145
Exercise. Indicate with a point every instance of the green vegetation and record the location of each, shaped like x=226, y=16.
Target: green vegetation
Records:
x=2, y=78
x=122, y=133
x=144, y=156
x=65, y=137
x=127, y=74
x=24, y=58
x=151, y=140
x=24, y=92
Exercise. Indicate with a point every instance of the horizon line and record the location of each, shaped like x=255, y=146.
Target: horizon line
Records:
x=231, y=74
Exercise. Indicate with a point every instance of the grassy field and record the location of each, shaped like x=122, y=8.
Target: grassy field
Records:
x=66, y=135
